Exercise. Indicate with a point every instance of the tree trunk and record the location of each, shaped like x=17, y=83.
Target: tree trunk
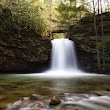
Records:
x=76, y=10
x=108, y=5
x=102, y=32
x=95, y=27
x=98, y=7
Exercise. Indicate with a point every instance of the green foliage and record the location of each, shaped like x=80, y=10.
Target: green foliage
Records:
x=42, y=15
x=24, y=14
x=59, y=35
x=6, y=20
x=104, y=42
x=70, y=12
x=104, y=46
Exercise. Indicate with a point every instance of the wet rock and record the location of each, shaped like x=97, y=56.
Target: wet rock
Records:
x=103, y=93
x=55, y=100
x=15, y=106
x=38, y=105
x=24, y=98
x=35, y=97
x=18, y=103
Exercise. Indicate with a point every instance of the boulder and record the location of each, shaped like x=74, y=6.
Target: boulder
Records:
x=55, y=100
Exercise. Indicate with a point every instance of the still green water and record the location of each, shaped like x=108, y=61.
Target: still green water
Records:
x=13, y=87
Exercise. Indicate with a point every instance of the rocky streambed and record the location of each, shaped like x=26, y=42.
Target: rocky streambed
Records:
x=64, y=101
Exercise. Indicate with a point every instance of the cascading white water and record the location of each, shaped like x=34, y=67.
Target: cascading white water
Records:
x=63, y=55
x=63, y=60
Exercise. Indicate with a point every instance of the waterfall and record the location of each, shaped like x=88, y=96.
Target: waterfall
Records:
x=63, y=55
x=63, y=60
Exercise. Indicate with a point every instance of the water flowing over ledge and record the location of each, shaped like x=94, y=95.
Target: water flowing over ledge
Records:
x=63, y=55
x=63, y=60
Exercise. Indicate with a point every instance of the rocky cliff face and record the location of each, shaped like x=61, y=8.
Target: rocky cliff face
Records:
x=24, y=51
x=83, y=34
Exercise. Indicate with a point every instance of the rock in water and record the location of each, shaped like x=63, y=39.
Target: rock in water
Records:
x=35, y=97
x=55, y=100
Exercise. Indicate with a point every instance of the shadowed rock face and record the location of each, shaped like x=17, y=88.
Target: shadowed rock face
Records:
x=83, y=34
x=26, y=51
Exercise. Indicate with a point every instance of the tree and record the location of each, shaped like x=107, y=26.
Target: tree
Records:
x=102, y=31
x=27, y=13
x=105, y=42
x=98, y=7
x=97, y=40
x=70, y=12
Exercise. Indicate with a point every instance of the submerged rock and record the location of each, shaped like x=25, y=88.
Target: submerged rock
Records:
x=38, y=105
